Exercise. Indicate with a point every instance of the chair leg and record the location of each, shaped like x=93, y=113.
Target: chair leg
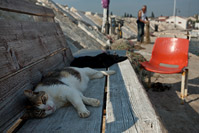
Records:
x=186, y=82
x=149, y=79
x=140, y=74
x=183, y=87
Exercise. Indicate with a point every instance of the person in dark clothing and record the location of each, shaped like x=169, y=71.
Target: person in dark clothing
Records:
x=141, y=21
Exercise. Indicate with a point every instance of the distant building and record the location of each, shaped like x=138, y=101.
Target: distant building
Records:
x=162, y=18
x=192, y=23
x=178, y=21
x=197, y=25
x=191, y=18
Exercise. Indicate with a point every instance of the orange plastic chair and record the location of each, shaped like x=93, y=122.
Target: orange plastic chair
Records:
x=169, y=56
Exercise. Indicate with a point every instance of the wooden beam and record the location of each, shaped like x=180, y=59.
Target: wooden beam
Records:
x=128, y=106
x=119, y=114
x=24, y=43
x=22, y=6
x=12, y=100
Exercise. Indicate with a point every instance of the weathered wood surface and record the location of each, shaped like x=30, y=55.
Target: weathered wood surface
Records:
x=23, y=43
x=128, y=107
x=12, y=100
x=28, y=50
x=21, y=6
x=66, y=119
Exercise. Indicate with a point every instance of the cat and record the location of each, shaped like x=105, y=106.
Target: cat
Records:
x=62, y=87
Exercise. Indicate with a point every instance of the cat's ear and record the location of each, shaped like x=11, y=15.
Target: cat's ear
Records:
x=29, y=93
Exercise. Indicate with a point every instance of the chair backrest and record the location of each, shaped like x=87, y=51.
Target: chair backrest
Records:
x=170, y=52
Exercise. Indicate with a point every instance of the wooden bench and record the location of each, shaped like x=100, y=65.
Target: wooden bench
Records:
x=126, y=104
x=30, y=49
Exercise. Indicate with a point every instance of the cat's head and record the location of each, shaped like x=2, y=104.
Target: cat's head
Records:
x=41, y=105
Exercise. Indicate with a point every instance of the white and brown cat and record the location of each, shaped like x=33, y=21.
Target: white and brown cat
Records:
x=62, y=87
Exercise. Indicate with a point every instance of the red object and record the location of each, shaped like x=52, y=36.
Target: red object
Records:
x=169, y=55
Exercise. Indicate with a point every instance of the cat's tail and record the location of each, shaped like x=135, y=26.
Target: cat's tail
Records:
x=109, y=72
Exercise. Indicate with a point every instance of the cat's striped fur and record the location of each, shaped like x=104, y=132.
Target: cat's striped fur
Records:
x=60, y=88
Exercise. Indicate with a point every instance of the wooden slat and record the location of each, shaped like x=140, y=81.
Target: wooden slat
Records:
x=18, y=27
x=66, y=119
x=11, y=90
x=119, y=113
x=21, y=6
x=7, y=65
x=128, y=107
x=23, y=43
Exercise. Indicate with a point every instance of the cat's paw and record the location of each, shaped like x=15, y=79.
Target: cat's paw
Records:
x=84, y=114
x=95, y=102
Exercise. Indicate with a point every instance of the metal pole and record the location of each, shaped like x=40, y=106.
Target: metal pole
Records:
x=174, y=12
x=107, y=22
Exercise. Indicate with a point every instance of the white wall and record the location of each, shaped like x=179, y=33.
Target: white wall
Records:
x=182, y=22
x=197, y=25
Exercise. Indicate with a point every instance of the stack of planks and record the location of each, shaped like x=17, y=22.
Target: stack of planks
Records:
x=28, y=50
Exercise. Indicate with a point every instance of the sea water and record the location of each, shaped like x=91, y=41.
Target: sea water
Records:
x=194, y=46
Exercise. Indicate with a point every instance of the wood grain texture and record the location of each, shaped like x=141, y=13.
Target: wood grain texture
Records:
x=120, y=116
x=12, y=100
x=21, y=6
x=23, y=43
x=24, y=27
x=28, y=50
x=66, y=119
x=128, y=107
x=7, y=64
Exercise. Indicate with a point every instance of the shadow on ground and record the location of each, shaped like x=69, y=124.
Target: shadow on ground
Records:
x=177, y=118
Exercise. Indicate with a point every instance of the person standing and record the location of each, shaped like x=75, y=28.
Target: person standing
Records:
x=105, y=5
x=141, y=21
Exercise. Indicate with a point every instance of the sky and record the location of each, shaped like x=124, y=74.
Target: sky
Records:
x=119, y=7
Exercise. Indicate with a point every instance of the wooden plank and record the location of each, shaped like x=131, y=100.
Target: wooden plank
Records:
x=22, y=6
x=67, y=120
x=128, y=106
x=7, y=65
x=11, y=89
x=29, y=51
x=18, y=28
x=24, y=43
x=119, y=114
